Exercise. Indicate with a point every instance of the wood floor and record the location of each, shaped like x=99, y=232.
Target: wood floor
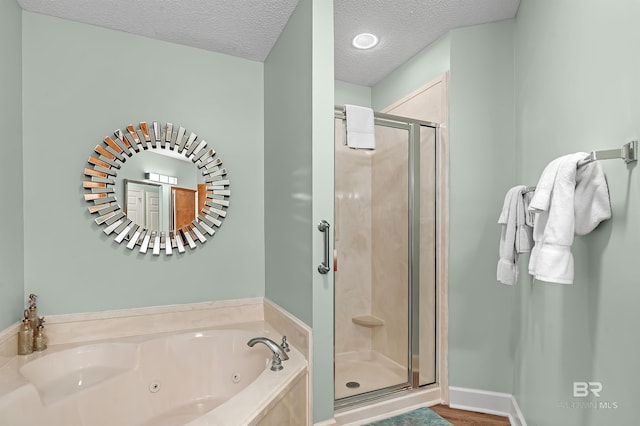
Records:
x=469, y=418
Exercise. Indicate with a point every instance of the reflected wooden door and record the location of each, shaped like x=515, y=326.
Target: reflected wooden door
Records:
x=202, y=196
x=184, y=206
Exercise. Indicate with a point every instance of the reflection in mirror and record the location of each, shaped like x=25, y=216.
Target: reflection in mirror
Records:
x=143, y=202
x=167, y=202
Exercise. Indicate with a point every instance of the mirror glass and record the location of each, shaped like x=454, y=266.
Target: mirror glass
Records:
x=146, y=186
x=158, y=188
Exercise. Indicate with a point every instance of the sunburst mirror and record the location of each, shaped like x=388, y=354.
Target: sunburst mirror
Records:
x=174, y=189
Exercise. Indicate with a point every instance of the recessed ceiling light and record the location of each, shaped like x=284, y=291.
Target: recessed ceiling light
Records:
x=365, y=41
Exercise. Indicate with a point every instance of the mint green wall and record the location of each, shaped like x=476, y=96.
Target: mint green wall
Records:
x=11, y=208
x=81, y=82
x=349, y=93
x=287, y=166
x=416, y=72
x=323, y=205
x=578, y=82
x=298, y=180
x=482, y=168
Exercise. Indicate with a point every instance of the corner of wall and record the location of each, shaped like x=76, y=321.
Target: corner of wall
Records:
x=11, y=168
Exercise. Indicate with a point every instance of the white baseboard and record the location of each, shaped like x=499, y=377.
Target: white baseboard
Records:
x=501, y=404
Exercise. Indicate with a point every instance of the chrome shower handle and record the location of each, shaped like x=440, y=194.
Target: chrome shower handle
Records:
x=324, y=226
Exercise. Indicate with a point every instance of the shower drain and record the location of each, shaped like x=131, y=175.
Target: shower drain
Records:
x=353, y=385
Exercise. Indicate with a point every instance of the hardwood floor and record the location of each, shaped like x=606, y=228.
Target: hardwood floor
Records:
x=469, y=418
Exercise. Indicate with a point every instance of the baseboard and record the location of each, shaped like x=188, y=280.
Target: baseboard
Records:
x=501, y=404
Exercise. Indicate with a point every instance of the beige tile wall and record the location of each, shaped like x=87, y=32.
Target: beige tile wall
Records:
x=352, y=244
x=390, y=237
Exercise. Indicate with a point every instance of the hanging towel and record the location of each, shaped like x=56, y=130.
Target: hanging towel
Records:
x=567, y=200
x=516, y=235
x=360, y=125
x=591, y=199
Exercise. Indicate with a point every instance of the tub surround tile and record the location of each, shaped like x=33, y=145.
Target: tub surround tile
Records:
x=297, y=332
x=290, y=409
x=9, y=343
x=299, y=336
x=82, y=327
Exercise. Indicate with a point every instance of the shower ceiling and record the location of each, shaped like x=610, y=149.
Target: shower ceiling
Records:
x=249, y=28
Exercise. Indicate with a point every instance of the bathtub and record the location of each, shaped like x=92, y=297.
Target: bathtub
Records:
x=206, y=377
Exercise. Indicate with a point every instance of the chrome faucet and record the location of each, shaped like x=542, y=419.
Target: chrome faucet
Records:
x=279, y=354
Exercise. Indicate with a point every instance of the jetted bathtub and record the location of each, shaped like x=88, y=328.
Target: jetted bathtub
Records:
x=196, y=378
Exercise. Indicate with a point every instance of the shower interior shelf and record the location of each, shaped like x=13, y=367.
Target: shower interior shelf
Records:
x=368, y=321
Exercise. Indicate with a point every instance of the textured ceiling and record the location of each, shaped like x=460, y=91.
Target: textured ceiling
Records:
x=249, y=28
x=404, y=27
x=243, y=28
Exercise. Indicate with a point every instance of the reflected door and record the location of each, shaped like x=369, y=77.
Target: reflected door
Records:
x=135, y=205
x=152, y=200
x=183, y=206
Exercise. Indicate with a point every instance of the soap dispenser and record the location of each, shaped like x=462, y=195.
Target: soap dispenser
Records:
x=25, y=336
x=40, y=339
x=33, y=311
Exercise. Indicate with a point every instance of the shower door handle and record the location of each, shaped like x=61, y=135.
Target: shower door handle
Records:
x=323, y=227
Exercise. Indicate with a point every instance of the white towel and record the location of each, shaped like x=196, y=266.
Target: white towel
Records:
x=360, y=127
x=567, y=199
x=515, y=235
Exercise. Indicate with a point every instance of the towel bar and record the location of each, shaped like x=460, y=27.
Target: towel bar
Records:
x=628, y=153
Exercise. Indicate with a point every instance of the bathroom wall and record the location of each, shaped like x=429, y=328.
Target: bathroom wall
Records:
x=426, y=65
x=299, y=100
x=354, y=94
x=81, y=82
x=287, y=179
x=577, y=86
x=11, y=207
x=482, y=169
x=482, y=149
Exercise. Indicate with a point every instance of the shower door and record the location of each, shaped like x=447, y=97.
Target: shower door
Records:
x=384, y=261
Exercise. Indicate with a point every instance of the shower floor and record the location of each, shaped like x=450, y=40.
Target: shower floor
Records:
x=368, y=368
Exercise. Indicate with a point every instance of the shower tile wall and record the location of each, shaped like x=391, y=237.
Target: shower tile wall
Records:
x=390, y=242
x=352, y=243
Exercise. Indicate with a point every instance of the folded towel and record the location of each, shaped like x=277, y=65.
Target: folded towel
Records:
x=360, y=127
x=515, y=235
x=563, y=194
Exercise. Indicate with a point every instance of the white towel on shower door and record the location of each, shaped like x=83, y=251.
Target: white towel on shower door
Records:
x=360, y=127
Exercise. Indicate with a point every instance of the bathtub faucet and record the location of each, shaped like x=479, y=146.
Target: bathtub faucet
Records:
x=279, y=354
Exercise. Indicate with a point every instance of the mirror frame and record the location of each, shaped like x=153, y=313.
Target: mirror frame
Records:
x=107, y=160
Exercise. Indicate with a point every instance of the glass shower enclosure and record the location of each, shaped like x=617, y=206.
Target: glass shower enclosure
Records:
x=385, y=260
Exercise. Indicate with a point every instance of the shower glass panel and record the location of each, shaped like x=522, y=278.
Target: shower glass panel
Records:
x=372, y=246
x=385, y=261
